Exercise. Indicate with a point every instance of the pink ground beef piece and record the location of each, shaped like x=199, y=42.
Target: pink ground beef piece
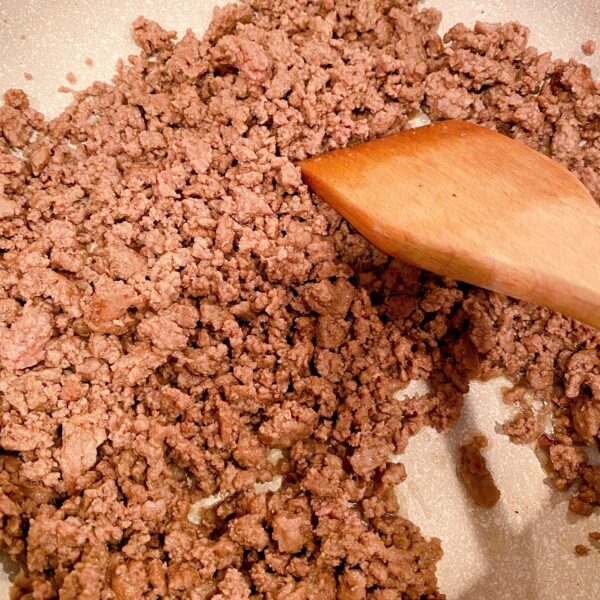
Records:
x=175, y=304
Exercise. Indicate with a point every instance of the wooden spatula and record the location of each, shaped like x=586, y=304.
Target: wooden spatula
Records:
x=464, y=201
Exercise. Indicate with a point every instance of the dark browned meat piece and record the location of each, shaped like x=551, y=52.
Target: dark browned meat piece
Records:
x=475, y=474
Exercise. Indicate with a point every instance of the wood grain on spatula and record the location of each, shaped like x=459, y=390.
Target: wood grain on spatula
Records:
x=464, y=201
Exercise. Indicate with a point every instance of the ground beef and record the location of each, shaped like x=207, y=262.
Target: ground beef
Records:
x=588, y=47
x=475, y=475
x=527, y=424
x=181, y=321
x=582, y=550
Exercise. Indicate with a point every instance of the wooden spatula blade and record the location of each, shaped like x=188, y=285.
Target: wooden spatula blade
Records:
x=467, y=202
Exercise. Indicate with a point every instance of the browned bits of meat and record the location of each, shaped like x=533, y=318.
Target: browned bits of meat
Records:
x=88, y=62
x=588, y=494
x=525, y=427
x=28, y=76
x=582, y=550
x=475, y=474
x=81, y=436
x=71, y=78
x=594, y=536
x=585, y=413
x=370, y=455
x=588, y=47
x=176, y=307
x=291, y=532
x=567, y=462
x=290, y=423
x=23, y=344
x=527, y=424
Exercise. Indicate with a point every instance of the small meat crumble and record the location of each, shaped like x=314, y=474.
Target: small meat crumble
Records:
x=475, y=475
x=175, y=306
x=588, y=47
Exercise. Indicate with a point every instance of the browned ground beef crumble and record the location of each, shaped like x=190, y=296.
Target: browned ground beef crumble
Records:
x=473, y=471
x=174, y=304
x=588, y=47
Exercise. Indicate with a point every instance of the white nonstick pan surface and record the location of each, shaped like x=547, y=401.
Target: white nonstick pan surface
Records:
x=523, y=547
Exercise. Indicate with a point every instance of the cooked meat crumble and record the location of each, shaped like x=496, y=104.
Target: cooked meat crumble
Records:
x=175, y=305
